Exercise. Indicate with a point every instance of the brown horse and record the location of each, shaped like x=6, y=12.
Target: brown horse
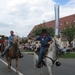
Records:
x=2, y=48
x=13, y=53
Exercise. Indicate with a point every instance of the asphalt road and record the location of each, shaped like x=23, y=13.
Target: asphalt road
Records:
x=26, y=67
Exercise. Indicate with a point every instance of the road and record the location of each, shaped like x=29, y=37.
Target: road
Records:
x=26, y=67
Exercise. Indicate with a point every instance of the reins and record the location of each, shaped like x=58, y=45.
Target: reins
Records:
x=53, y=60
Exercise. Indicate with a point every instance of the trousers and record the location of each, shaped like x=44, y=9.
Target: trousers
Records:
x=40, y=54
x=7, y=48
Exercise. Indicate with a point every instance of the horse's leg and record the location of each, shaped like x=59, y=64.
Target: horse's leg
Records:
x=16, y=65
x=41, y=71
x=49, y=64
x=35, y=66
x=7, y=58
x=35, y=62
x=35, y=69
x=49, y=70
x=9, y=64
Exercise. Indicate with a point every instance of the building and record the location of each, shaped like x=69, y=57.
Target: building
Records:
x=67, y=19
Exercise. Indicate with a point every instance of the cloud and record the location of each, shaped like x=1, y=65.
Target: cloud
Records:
x=22, y=15
x=67, y=9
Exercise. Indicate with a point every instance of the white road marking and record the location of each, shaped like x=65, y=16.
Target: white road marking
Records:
x=11, y=67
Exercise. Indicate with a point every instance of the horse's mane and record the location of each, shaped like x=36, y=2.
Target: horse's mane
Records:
x=50, y=47
x=15, y=40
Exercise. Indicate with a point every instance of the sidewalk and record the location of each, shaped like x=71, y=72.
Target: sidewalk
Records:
x=28, y=52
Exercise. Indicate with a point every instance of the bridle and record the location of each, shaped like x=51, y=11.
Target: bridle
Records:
x=57, y=49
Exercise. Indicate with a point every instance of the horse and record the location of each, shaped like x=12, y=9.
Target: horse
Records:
x=13, y=53
x=2, y=48
x=50, y=57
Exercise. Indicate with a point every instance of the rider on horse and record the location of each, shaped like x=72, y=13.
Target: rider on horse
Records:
x=45, y=41
x=10, y=40
x=2, y=40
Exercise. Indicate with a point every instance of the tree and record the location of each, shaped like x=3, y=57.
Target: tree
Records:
x=38, y=30
x=69, y=31
x=25, y=40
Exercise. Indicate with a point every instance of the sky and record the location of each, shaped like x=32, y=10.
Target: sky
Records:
x=61, y=2
x=22, y=15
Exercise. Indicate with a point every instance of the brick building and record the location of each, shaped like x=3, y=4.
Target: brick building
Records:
x=67, y=19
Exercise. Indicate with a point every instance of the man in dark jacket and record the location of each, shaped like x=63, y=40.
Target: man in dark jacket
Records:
x=45, y=41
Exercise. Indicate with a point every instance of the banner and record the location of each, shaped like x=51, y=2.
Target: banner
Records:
x=56, y=20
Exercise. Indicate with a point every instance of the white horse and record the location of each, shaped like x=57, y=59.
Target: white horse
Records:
x=50, y=57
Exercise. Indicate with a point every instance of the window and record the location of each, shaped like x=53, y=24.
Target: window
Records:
x=64, y=43
x=66, y=22
x=64, y=28
x=61, y=24
x=74, y=20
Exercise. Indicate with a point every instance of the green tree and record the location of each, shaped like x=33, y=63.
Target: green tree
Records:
x=69, y=31
x=25, y=40
x=38, y=30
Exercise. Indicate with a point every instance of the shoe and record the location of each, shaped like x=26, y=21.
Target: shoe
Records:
x=2, y=54
x=43, y=63
x=39, y=65
x=20, y=56
x=58, y=63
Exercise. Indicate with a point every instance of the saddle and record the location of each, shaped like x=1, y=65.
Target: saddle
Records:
x=44, y=54
x=14, y=56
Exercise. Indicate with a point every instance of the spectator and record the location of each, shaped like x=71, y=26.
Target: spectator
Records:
x=64, y=49
x=69, y=49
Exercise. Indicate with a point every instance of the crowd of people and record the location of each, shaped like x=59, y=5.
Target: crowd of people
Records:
x=27, y=46
x=67, y=49
x=23, y=46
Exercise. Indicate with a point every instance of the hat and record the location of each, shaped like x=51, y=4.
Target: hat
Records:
x=11, y=31
x=44, y=31
x=2, y=36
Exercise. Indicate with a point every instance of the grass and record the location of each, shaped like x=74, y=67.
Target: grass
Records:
x=27, y=51
x=30, y=52
x=68, y=55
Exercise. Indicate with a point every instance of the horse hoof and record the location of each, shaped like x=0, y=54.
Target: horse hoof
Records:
x=17, y=72
x=9, y=70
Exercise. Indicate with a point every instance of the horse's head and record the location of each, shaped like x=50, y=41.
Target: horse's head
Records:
x=15, y=40
x=58, y=46
x=55, y=47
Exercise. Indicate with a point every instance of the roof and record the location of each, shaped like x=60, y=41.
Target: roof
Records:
x=67, y=19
